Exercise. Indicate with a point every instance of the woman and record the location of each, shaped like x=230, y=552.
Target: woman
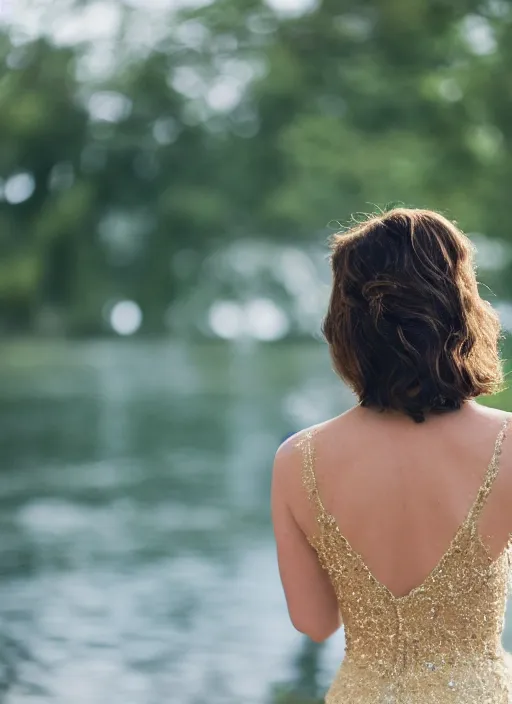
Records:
x=395, y=517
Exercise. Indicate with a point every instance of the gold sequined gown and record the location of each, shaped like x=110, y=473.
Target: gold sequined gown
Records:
x=440, y=643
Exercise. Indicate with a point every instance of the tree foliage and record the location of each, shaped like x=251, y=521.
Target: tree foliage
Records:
x=241, y=122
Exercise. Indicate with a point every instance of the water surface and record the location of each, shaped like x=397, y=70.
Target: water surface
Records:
x=137, y=561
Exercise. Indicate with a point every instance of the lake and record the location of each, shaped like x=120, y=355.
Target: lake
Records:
x=138, y=565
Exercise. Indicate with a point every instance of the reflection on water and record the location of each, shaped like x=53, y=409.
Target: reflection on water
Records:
x=137, y=561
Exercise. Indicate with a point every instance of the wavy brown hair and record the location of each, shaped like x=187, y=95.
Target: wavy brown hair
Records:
x=406, y=326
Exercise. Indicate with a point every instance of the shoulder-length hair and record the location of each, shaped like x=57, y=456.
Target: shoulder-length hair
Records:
x=406, y=326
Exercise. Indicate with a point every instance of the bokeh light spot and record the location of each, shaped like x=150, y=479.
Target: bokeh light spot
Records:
x=265, y=320
x=19, y=188
x=293, y=8
x=226, y=319
x=125, y=317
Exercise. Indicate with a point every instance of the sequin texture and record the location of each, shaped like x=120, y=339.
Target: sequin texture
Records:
x=439, y=643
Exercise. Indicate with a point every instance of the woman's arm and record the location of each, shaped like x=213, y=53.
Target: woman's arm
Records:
x=310, y=597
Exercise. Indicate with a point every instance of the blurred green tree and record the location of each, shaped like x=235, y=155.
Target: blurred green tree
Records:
x=242, y=122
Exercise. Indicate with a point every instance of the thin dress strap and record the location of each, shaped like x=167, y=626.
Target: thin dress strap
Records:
x=307, y=447
x=490, y=476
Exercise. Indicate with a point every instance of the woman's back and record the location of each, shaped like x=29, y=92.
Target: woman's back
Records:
x=396, y=516
x=399, y=491
x=412, y=525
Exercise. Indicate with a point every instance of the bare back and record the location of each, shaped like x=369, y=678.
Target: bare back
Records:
x=399, y=491
x=395, y=518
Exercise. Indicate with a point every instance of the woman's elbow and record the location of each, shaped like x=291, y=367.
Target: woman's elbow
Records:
x=315, y=631
x=320, y=637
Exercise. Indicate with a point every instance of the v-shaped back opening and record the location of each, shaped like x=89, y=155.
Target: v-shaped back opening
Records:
x=470, y=521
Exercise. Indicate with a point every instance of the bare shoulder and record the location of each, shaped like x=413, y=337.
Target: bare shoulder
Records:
x=493, y=425
x=289, y=453
x=487, y=419
x=499, y=419
x=490, y=412
x=291, y=446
